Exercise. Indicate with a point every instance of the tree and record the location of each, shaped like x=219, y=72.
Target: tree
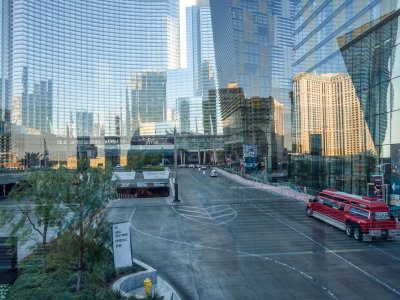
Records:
x=88, y=194
x=38, y=204
x=139, y=160
x=32, y=159
x=154, y=159
x=135, y=161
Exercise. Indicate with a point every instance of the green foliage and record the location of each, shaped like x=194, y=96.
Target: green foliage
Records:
x=4, y=288
x=153, y=296
x=139, y=160
x=86, y=198
x=65, y=201
x=36, y=206
x=221, y=156
x=59, y=280
x=31, y=159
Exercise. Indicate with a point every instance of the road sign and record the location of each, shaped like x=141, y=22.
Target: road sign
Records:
x=122, y=245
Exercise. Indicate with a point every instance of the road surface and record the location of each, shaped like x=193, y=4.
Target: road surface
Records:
x=227, y=240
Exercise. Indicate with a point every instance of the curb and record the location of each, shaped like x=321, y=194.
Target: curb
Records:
x=126, y=284
x=270, y=188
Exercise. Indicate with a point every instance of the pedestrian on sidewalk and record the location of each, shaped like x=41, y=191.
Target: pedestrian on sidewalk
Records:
x=204, y=173
x=305, y=190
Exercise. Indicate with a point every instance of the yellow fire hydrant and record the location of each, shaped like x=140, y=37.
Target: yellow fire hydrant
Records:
x=147, y=286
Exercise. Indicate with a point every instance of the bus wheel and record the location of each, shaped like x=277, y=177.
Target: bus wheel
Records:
x=357, y=234
x=349, y=230
x=308, y=211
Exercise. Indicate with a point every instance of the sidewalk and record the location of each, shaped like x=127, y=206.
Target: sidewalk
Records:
x=273, y=189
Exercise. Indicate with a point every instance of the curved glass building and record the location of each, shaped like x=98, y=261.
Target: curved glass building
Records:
x=83, y=72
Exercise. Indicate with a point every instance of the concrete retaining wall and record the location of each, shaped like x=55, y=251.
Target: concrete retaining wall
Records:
x=133, y=281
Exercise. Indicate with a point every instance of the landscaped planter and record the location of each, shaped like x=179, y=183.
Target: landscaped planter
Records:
x=128, y=283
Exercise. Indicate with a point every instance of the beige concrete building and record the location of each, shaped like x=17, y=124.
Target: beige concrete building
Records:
x=327, y=118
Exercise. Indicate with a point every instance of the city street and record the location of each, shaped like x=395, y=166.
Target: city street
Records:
x=225, y=240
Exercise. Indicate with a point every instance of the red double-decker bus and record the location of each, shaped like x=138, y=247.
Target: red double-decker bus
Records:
x=361, y=217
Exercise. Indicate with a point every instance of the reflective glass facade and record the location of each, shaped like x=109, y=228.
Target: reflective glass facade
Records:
x=319, y=23
x=253, y=42
x=93, y=68
x=354, y=44
x=201, y=63
x=253, y=45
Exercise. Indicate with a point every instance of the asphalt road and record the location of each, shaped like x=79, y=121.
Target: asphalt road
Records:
x=226, y=240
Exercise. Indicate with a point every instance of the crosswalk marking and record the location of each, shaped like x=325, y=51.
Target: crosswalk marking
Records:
x=210, y=214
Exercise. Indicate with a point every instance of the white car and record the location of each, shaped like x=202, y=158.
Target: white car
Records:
x=213, y=173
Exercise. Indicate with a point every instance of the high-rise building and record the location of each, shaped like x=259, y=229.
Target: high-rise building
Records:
x=253, y=47
x=347, y=37
x=60, y=57
x=372, y=57
x=84, y=123
x=148, y=98
x=193, y=90
x=253, y=44
x=255, y=121
x=327, y=116
x=201, y=63
x=318, y=24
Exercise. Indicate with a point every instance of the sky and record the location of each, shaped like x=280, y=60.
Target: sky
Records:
x=182, y=10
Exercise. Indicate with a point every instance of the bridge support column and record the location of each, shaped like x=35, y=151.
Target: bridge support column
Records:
x=205, y=156
x=215, y=155
x=198, y=154
x=181, y=154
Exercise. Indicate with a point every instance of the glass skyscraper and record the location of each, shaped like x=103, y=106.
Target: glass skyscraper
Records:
x=319, y=23
x=201, y=63
x=353, y=44
x=108, y=59
x=253, y=44
x=192, y=92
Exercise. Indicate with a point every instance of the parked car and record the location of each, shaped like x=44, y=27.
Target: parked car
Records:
x=213, y=173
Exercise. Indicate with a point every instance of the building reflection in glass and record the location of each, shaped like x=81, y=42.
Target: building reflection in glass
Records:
x=72, y=69
x=357, y=112
x=255, y=121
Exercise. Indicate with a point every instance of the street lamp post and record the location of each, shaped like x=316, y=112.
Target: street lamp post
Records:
x=176, y=199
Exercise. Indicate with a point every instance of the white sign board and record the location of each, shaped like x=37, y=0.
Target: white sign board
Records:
x=124, y=175
x=156, y=175
x=159, y=184
x=141, y=184
x=122, y=245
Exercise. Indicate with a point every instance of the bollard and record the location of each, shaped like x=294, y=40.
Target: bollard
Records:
x=147, y=286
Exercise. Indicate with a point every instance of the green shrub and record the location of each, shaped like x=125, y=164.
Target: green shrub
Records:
x=59, y=281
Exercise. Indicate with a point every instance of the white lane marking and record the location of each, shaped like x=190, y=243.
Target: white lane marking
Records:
x=221, y=216
x=211, y=223
x=193, y=211
x=130, y=219
x=384, y=252
x=199, y=207
x=309, y=277
x=332, y=252
x=207, y=214
x=219, y=211
x=196, y=216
